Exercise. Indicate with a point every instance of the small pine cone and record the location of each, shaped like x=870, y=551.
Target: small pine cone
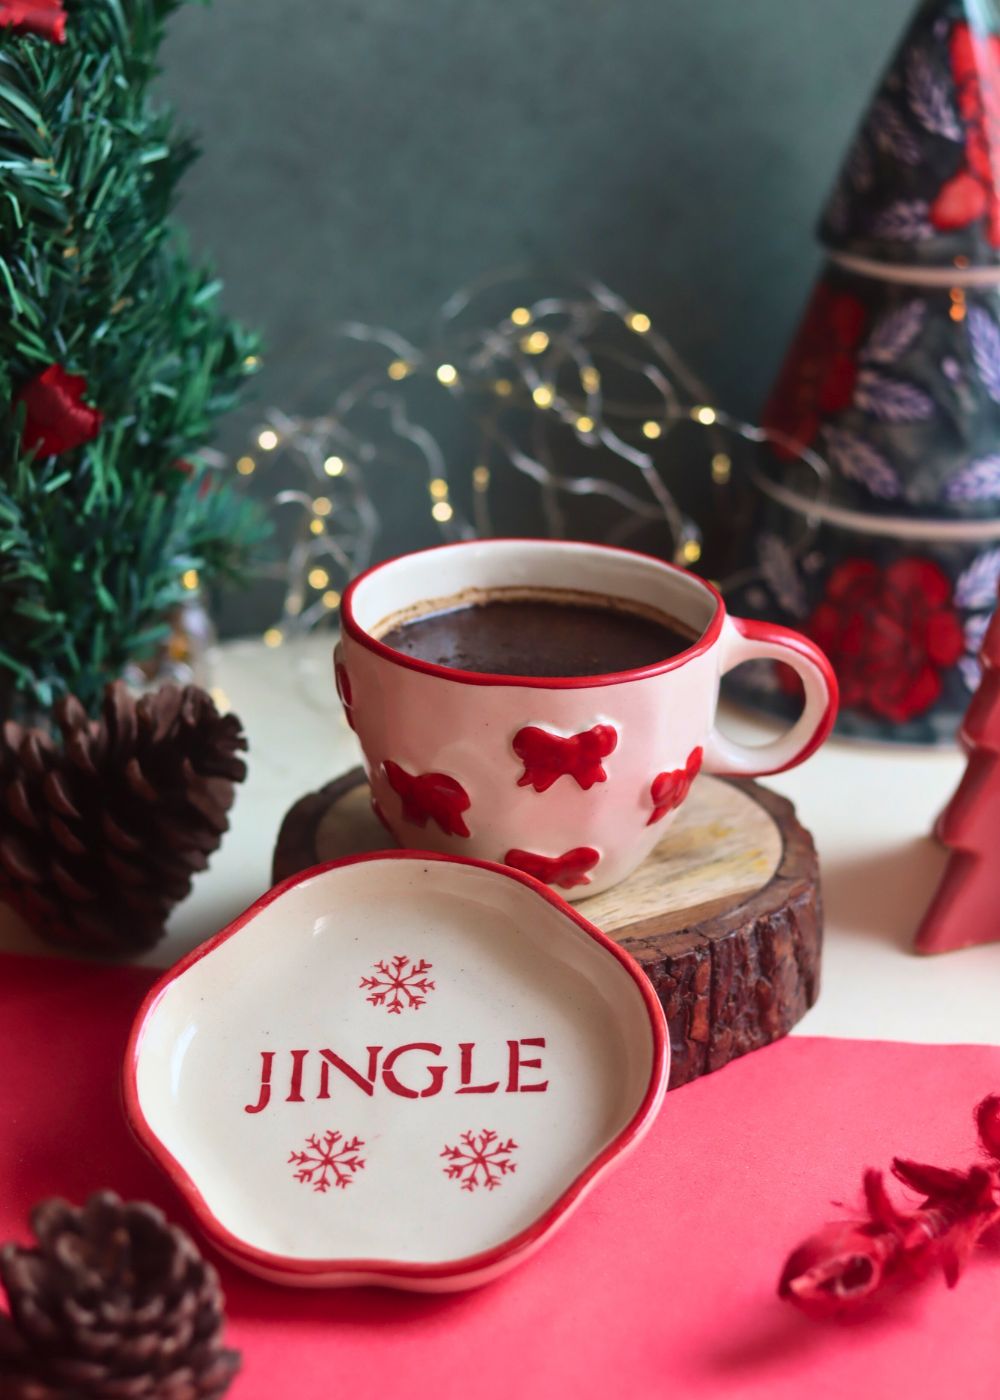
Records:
x=101, y=833
x=113, y=1303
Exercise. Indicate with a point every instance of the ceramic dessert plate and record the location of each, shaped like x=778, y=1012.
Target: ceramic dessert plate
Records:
x=400, y=1068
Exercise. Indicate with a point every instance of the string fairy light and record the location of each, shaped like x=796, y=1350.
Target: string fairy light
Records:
x=575, y=391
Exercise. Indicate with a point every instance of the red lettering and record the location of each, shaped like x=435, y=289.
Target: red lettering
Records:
x=437, y=1072
x=516, y=1064
x=298, y=1059
x=330, y=1058
x=267, y=1060
x=465, y=1072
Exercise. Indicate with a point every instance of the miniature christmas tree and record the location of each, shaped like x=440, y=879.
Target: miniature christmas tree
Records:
x=114, y=359
x=966, y=908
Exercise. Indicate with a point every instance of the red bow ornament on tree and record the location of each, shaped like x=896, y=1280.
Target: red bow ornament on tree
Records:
x=57, y=419
x=46, y=18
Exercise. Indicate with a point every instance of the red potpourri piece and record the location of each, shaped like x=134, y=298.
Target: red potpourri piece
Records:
x=845, y=1264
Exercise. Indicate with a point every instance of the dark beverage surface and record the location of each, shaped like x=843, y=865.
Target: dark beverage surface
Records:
x=539, y=637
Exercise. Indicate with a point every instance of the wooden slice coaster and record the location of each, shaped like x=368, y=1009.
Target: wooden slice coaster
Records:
x=724, y=916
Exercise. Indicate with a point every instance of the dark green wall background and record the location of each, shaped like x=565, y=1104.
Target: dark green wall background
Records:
x=362, y=158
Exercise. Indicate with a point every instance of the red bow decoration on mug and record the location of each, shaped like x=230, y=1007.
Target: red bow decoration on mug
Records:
x=548, y=757
x=566, y=870
x=430, y=797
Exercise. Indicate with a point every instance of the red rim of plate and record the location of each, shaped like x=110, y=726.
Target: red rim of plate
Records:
x=362, y=1270
x=709, y=635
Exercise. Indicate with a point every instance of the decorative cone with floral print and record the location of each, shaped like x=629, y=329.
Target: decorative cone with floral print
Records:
x=889, y=557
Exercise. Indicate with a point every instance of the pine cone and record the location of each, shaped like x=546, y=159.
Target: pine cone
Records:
x=115, y=1303
x=100, y=834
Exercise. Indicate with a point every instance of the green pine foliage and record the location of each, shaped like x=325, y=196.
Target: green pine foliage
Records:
x=94, y=277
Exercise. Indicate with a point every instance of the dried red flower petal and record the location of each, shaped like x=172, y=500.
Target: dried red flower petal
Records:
x=988, y=1123
x=845, y=1264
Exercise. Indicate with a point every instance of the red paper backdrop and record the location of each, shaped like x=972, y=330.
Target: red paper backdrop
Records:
x=662, y=1283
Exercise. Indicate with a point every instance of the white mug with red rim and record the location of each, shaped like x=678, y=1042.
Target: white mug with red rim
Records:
x=573, y=779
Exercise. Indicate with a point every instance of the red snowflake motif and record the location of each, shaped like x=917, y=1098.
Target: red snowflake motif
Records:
x=566, y=870
x=972, y=193
x=430, y=796
x=343, y=683
x=56, y=418
x=820, y=371
x=548, y=757
x=668, y=790
x=889, y=634
x=328, y=1161
x=395, y=980
x=481, y=1159
x=46, y=18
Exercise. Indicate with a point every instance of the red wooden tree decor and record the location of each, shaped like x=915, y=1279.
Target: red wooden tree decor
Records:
x=966, y=908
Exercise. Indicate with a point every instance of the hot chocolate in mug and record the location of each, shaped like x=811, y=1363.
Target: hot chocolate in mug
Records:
x=570, y=778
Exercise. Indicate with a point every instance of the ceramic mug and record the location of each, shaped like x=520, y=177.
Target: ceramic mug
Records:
x=572, y=779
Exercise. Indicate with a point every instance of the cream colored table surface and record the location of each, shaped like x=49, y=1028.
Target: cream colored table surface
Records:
x=869, y=808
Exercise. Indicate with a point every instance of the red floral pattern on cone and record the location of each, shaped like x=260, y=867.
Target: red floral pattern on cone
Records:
x=430, y=797
x=669, y=790
x=57, y=419
x=547, y=757
x=972, y=193
x=820, y=371
x=44, y=18
x=889, y=634
x=565, y=871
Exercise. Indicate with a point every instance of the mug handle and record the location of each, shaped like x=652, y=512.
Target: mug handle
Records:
x=747, y=640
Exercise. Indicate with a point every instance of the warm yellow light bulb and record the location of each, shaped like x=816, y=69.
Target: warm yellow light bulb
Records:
x=543, y=395
x=322, y=505
x=318, y=578
x=334, y=466
x=442, y=511
x=638, y=321
x=438, y=488
x=398, y=369
x=480, y=478
x=704, y=414
x=651, y=429
x=316, y=527
x=721, y=468
x=447, y=374
x=267, y=439
x=246, y=466
x=251, y=361
x=691, y=551
x=331, y=598
x=534, y=343
x=521, y=316
x=503, y=388
x=189, y=578
x=585, y=424
x=273, y=637
x=590, y=379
